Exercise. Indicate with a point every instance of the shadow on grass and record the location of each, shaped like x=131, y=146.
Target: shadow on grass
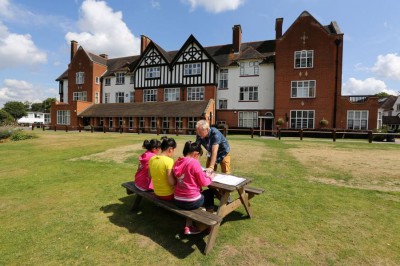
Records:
x=161, y=226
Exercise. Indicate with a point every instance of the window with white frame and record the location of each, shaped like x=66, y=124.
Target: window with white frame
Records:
x=152, y=72
x=131, y=96
x=80, y=77
x=150, y=95
x=248, y=93
x=178, y=123
x=63, y=117
x=195, y=94
x=304, y=59
x=106, y=97
x=192, y=69
x=165, y=123
x=131, y=122
x=96, y=97
x=303, y=89
x=249, y=68
x=379, y=119
x=141, y=122
x=223, y=79
x=302, y=118
x=132, y=79
x=119, y=97
x=110, y=122
x=107, y=82
x=192, y=122
x=101, y=121
x=120, y=121
x=248, y=119
x=80, y=96
x=357, y=119
x=153, y=123
x=171, y=94
x=120, y=78
x=97, y=80
x=222, y=104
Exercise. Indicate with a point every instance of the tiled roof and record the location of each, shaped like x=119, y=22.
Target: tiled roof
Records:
x=387, y=104
x=119, y=64
x=148, y=109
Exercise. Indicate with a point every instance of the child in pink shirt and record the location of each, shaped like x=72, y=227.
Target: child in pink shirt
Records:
x=191, y=178
x=142, y=178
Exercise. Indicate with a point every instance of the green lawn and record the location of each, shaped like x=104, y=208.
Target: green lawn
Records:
x=61, y=203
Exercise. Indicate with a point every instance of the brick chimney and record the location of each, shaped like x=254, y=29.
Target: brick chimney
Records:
x=278, y=28
x=144, y=42
x=74, y=48
x=105, y=56
x=236, y=38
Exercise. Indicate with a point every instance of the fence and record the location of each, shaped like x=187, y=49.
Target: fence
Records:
x=278, y=133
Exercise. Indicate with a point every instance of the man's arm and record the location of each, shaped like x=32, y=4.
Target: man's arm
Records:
x=214, y=153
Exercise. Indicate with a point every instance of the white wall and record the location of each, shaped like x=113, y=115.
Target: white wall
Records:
x=113, y=88
x=65, y=90
x=264, y=81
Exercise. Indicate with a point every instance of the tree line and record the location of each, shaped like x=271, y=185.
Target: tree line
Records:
x=12, y=111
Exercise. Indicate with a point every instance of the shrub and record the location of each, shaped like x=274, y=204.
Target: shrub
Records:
x=21, y=135
x=280, y=121
x=5, y=132
x=379, y=137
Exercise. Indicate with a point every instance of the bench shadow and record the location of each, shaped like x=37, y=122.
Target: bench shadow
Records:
x=161, y=226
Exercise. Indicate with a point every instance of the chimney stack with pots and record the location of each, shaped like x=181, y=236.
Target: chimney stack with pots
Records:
x=74, y=48
x=144, y=42
x=278, y=28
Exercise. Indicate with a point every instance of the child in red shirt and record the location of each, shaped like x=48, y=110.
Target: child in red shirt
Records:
x=142, y=178
x=191, y=178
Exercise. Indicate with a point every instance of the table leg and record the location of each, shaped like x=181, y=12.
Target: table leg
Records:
x=222, y=209
x=211, y=238
x=245, y=201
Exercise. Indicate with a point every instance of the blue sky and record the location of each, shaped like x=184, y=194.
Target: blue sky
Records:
x=35, y=35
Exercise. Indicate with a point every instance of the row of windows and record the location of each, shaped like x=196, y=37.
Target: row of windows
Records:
x=166, y=122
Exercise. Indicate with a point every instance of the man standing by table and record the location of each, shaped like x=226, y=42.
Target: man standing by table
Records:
x=216, y=145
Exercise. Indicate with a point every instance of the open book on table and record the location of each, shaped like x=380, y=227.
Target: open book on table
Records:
x=228, y=179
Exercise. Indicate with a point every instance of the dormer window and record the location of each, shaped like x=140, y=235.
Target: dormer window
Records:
x=249, y=68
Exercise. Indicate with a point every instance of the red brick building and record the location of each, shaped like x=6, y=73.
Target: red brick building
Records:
x=296, y=77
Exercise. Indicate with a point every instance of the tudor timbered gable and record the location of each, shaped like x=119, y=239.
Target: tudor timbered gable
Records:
x=153, y=69
x=193, y=66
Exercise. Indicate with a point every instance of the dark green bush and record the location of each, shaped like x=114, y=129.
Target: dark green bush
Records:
x=21, y=135
x=5, y=132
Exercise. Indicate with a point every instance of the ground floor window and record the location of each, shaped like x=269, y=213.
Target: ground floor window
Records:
x=302, y=118
x=101, y=121
x=192, y=122
x=150, y=95
x=153, y=123
x=110, y=122
x=178, y=122
x=165, y=123
x=131, y=122
x=120, y=121
x=63, y=117
x=357, y=119
x=141, y=122
x=248, y=119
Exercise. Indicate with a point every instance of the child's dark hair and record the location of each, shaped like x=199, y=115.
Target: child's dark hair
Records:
x=167, y=143
x=151, y=144
x=191, y=147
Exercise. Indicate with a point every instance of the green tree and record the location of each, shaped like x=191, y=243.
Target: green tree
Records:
x=5, y=118
x=382, y=95
x=47, y=104
x=37, y=107
x=15, y=109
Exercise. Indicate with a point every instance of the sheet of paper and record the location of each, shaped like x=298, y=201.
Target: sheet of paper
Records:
x=228, y=179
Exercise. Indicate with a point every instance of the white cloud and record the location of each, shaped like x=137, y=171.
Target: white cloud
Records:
x=155, y=4
x=18, y=50
x=104, y=31
x=369, y=86
x=215, y=6
x=21, y=91
x=388, y=66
